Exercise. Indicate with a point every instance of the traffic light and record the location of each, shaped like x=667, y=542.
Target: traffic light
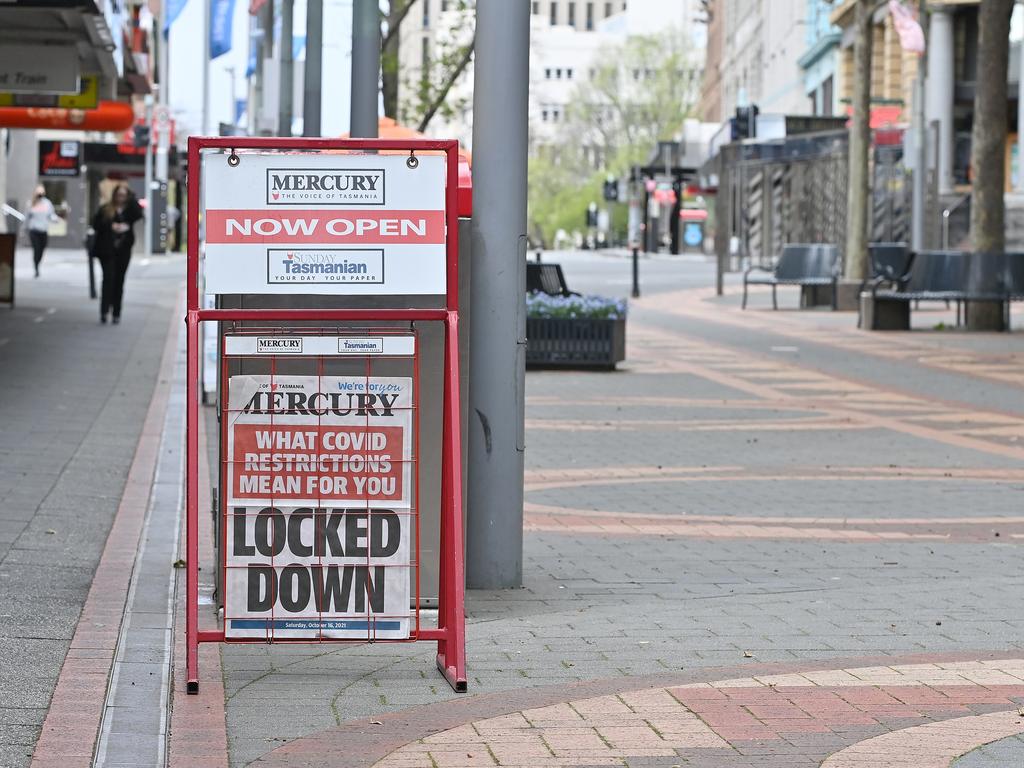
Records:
x=611, y=190
x=140, y=135
x=746, y=122
x=592, y=215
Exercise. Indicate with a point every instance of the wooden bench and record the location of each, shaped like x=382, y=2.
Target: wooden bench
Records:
x=799, y=264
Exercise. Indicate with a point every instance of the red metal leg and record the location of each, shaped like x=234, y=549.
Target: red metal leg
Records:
x=191, y=505
x=451, y=653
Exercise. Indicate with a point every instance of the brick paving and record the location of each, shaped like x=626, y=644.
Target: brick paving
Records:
x=768, y=540
x=710, y=504
x=913, y=714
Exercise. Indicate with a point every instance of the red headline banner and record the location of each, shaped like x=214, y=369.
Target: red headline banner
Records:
x=320, y=227
x=334, y=464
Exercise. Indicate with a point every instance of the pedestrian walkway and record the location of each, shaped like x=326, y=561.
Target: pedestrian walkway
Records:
x=762, y=542
x=720, y=502
x=75, y=400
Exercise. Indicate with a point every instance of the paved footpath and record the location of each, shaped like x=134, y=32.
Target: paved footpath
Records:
x=768, y=540
x=75, y=398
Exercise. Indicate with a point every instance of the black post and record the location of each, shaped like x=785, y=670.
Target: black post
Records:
x=636, y=272
x=536, y=256
x=90, y=239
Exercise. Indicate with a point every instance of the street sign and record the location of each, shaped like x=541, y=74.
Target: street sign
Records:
x=60, y=158
x=35, y=69
x=87, y=97
x=320, y=427
x=325, y=224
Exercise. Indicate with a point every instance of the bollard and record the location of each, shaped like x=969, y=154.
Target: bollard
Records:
x=636, y=272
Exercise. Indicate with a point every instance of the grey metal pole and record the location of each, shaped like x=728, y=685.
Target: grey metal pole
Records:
x=365, y=68
x=314, y=65
x=494, y=528
x=284, y=104
x=206, y=67
x=917, y=235
x=147, y=220
x=1020, y=118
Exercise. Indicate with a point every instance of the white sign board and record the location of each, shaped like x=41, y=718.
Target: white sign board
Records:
x=329, y=346
x=319, y=505
x=38, y=69
x=324, y=223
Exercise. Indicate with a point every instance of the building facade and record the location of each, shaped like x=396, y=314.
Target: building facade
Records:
x=952, y=35
x=753, y=50
x=819, y=59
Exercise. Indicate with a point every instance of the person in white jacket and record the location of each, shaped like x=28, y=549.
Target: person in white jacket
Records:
x=38, y=217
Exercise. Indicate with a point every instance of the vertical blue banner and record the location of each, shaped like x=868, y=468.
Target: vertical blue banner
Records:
x=174, y=9
x=222, y=13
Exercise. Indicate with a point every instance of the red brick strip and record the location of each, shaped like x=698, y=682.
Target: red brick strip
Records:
x=198, y=737
x=68, y=737
x=362, y=743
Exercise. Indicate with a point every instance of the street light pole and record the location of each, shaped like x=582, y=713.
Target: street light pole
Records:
x=314, y=67
x=284, y=104
x=1020, y=115
x=234, y=97
x=634, y=230
x=206, y=67
x=917, y=236
x=365, y=68
x=494, y=526
x=147, y=220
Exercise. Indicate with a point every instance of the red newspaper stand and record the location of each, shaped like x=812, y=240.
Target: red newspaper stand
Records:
x=320, y=485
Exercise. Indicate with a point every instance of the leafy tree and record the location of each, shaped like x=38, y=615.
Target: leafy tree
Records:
x=640, y=92
x=429, y=90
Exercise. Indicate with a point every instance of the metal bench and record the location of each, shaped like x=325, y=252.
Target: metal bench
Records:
x=959, y=276
x=547, y=278
x=890, y=263
x=799, y=264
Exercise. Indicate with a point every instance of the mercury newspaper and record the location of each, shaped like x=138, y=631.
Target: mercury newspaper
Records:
x=319, y=521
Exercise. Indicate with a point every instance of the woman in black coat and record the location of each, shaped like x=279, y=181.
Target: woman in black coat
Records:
x=115, y=237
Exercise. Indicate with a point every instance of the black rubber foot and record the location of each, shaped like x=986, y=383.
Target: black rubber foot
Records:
x=192, y=688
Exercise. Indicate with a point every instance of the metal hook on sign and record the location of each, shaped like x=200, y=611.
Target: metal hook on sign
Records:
x=412, y=161
x=234, y=159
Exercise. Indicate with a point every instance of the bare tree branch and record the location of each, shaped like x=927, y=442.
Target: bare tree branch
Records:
x=395, y=20
x=442, y=94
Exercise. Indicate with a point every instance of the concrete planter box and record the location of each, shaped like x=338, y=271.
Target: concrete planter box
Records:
x=558, y=342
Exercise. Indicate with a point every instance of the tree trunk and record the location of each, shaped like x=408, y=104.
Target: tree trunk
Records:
x=988, y=147
x=860, y=141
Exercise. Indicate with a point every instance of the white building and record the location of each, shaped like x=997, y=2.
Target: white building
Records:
x=757, y=63
x=567, y=38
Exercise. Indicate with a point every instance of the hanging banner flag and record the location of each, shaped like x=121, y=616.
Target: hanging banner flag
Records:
x=320, y=499
x=221, y=15
x=907, y=27
x=174, y=9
